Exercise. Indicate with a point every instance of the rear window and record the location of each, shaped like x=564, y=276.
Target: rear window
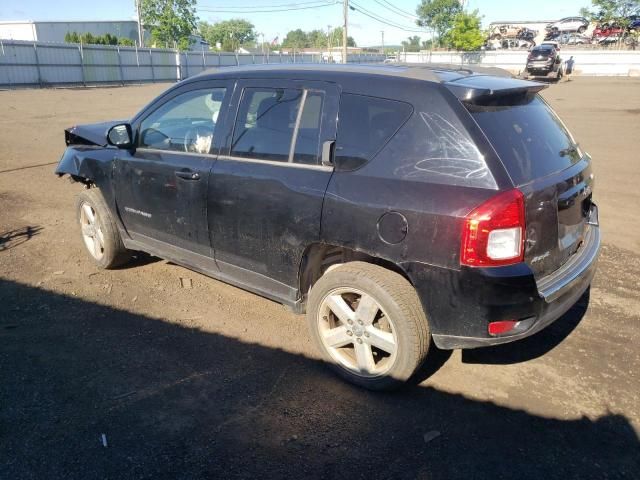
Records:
x=528, y=136
x=365, y=125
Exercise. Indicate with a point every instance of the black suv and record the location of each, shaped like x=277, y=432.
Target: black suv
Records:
x=394, y=204
x=544, y=61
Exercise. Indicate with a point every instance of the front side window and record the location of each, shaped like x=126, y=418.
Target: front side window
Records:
x=186, y=123
x=279, y=124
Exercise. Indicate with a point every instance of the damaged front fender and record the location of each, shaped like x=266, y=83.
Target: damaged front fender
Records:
x=87, y=164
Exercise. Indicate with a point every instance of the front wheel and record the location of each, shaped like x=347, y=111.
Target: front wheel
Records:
x=99, y=231
x=369, y=325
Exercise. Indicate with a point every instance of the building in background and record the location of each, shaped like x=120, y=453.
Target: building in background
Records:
x=55, y=31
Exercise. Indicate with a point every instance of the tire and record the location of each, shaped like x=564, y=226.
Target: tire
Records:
x=100, y=237
x=399, y=324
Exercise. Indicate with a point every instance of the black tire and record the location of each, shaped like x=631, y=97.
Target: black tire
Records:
x=396, y=298
x=113, y=253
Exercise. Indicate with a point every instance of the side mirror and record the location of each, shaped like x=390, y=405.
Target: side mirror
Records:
x=120, y=136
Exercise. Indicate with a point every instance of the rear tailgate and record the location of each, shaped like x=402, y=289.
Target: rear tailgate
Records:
x=547, y=165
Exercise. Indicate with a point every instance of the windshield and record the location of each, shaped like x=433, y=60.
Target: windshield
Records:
x=530, y=139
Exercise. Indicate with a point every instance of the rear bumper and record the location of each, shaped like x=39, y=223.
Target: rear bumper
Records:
x=461, y=304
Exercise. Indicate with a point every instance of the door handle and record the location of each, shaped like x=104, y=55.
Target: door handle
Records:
x=188, y=175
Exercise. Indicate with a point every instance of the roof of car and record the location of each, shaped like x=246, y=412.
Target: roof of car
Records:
x=427, y=72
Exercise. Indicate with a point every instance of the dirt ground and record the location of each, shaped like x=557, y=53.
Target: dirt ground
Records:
x=214, y=382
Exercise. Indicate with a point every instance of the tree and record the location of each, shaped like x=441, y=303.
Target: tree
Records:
x=336, y=38
x=612, y=11
x=229, y=34
x=171, y=22
x=317, y=39
x=439, y=15
x=466, y=33
x=296, y=39
x=89, y=39
x=412, y=44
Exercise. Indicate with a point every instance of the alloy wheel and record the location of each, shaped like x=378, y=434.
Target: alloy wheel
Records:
x=91, y=231
x=356, y=332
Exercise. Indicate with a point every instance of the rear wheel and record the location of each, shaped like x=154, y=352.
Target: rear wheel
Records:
x=369, y=325
x=99, y=231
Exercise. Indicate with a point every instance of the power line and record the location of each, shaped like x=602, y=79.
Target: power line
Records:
x=405, y=12
x=376, y=17
x=267, y=8
x=392, y=8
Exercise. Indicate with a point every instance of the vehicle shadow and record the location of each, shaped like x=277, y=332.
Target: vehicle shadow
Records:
x=182, y=403
x=139, y=259
x=15, y=237
x=535, y=346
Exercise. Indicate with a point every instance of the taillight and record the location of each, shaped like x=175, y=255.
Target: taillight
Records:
x=493, y=233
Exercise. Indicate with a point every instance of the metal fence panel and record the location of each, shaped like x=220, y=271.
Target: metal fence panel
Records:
x=39, y=63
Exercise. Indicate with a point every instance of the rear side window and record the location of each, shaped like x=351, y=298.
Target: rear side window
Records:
x=528, y=136
x=365, y=125
x=279, y=124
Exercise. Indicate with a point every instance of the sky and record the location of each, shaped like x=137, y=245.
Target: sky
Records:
x=365, y=30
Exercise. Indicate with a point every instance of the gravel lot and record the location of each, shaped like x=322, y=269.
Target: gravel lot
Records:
x=214, y=382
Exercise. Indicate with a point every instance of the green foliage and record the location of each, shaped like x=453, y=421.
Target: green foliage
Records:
x=90, y=39
x=336, y=38
x=171, y=22
x=317, y=39
x=612, y=11
x=466, y=33
x=439, y=15
x=412, y=44
x=298, y=39
x=230, y=34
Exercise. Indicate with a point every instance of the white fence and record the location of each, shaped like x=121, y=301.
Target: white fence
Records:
x=47, y=64
x=587, y=62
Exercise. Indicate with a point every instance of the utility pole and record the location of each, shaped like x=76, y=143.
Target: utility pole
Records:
x=345, y=14
x=329, y=59
x=382, y=32
x=140, y=30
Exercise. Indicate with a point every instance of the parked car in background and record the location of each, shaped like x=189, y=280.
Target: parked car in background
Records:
x=516, y=43
x=499, y=32
x=610, y=40
x=552, y=35
x=395, y=205
x=527, y=34
x=607, y=30
x=544, y=61
x=634, y=23
x=569, y=24
x=573, y=39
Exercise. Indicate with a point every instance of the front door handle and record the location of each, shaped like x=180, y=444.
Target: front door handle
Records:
x=188, y=175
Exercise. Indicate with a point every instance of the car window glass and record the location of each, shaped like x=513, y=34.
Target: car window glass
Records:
x=365, y=125
x=307, y=148
x=185, y=123
x=530, y=139
x=266, y=125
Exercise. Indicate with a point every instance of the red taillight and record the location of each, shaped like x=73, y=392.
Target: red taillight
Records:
x=501, y=327
x=493, y=233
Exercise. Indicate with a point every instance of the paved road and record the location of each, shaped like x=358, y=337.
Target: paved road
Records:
x=213, y=382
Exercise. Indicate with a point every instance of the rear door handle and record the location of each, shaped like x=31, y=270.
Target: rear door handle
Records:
x=188, y=175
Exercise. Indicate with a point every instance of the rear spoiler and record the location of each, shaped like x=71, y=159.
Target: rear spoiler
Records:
x=476, y=87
